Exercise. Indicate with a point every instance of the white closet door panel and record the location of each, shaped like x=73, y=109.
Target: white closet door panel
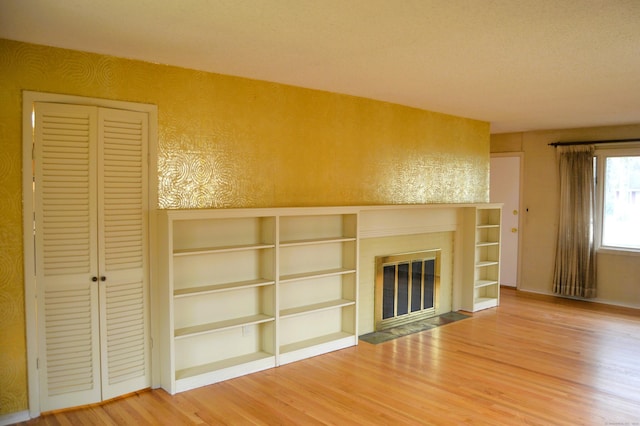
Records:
x=69, y=327
x=125, y=348
x=66, y=258
x=122, y=247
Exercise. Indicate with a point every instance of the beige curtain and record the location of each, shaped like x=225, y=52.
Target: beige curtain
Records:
x=575, y=271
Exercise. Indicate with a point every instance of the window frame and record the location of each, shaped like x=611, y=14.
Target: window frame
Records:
x=602, y=152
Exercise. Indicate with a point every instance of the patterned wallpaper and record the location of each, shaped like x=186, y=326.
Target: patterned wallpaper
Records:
x=13, y=388
x=232, y=142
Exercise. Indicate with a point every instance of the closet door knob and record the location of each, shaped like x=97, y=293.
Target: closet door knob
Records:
x=94, y=279
x=103, y=278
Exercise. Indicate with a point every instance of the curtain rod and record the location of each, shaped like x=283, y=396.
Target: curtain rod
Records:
x=593, y=142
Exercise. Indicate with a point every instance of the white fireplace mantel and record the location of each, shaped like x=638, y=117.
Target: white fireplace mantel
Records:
x=383, y=221
x=410, y=228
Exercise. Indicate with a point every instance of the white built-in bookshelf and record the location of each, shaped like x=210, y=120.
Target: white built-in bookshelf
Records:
x=244, y=290
x=482, y=243
x=318, y=258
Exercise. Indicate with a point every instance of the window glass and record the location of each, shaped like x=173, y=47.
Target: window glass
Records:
x=621, y=204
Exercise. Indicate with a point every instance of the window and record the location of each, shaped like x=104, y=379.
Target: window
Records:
x=618, y=198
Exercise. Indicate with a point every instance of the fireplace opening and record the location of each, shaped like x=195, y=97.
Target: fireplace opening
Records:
x=406, y=288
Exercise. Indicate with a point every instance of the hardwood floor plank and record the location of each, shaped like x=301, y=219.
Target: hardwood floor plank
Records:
x=532, y=361
x=213, y=407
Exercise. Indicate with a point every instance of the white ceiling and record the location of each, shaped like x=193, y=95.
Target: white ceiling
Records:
x=519, y=64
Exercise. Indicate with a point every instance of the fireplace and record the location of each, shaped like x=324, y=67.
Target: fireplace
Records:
x=406, y=288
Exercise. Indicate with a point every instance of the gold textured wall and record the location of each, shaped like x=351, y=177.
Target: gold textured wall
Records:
x=232, y=142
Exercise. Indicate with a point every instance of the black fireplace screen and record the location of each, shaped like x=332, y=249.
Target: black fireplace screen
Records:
x=407, y=287
x=405, y=292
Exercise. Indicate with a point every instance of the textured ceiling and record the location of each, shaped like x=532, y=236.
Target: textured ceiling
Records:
x=519, y=64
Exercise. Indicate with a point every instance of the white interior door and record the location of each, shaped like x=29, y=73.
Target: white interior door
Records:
x=505, y=188
x=91, y=262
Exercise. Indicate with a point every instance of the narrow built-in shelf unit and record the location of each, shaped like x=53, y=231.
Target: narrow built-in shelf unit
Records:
x=246, y=290
x=482, y=226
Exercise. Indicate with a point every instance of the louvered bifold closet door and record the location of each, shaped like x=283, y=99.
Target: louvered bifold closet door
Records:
x=91, y=253
x=66, y=255
x=122, y=240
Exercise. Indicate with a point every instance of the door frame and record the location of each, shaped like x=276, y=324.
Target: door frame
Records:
x=28, y=211
x=520, y=155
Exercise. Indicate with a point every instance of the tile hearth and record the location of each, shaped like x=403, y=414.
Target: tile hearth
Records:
x=413, y=327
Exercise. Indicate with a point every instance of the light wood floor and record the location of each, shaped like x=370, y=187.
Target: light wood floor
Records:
x=533, y=360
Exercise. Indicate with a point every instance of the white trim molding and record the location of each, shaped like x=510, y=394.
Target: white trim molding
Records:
x=12, y=418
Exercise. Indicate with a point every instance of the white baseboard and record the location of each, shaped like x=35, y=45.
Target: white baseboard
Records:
x=594, y=300
x=11, y=418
